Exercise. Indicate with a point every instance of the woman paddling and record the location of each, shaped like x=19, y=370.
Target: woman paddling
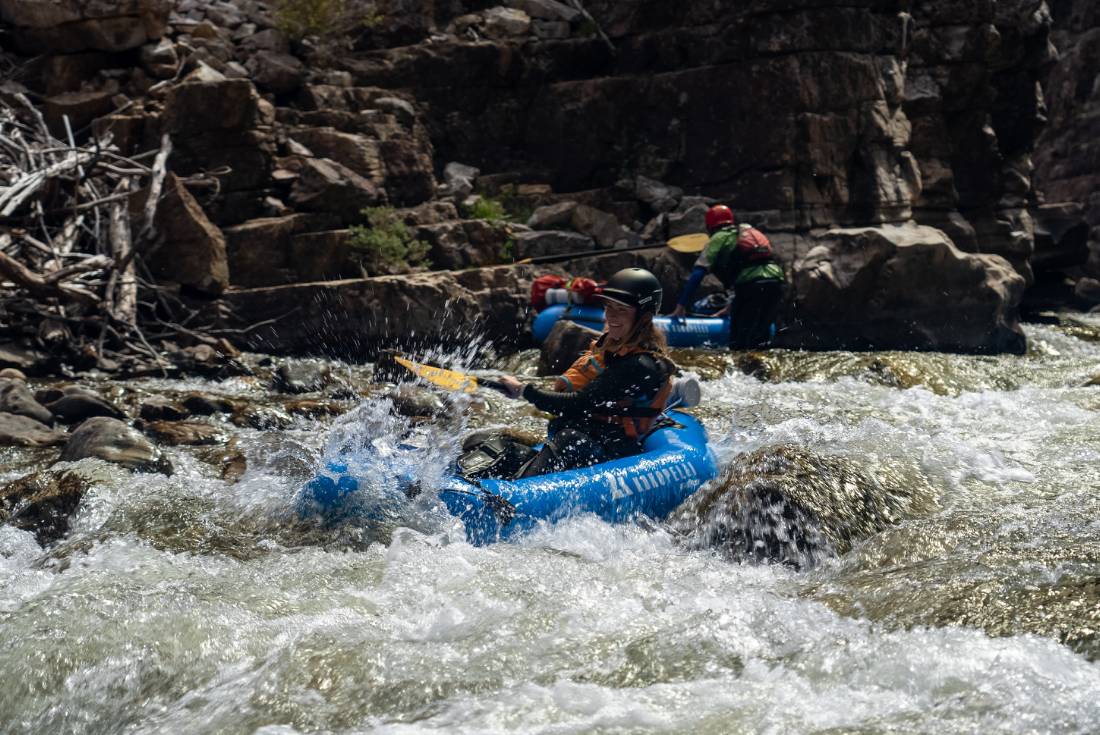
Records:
x=607, y=401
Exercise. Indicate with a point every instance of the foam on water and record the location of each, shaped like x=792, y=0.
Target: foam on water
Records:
x=584, y=627
x=186, y=604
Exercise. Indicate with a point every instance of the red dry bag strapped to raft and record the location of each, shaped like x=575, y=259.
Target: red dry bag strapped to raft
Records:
x=548, y=290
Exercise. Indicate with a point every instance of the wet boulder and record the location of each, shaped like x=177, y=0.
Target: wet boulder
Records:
x=74, y=404
x=111, y=440
x=16, y=398
x=565, y=343
x=21, y=431
x=791, y=505
x=302, y=376
x=44, y=502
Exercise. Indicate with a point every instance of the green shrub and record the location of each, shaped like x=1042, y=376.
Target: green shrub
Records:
x=386, y=243
x=300, y=18
x=487, y=209
x=508, y=251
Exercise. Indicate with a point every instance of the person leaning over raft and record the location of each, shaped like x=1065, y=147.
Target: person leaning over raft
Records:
x=741, y=257
x=607, y=401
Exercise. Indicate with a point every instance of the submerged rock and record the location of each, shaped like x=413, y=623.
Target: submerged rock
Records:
x=791, y=505
x=313, y=409
x=230, y=461
x=159, y=408
x=44, y=501
x=205, y=404
x=111, y=440
x=191, y=433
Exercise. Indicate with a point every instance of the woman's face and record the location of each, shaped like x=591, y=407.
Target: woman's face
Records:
x=618, y=319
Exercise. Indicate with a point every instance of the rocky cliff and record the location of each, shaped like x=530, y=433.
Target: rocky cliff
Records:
x=1068, y=156
x=807, y=117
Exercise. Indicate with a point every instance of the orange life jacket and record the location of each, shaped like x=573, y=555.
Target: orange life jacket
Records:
x=646, y=408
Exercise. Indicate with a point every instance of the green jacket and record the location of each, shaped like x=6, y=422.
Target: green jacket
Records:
x=723, y=259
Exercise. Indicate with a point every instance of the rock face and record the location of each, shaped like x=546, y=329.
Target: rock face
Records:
x=922, y=110
x=1067, y=164
x=972, y=96
x=903, y=288
x=68, y=26
x=350, y=317
x=790, y=505
x=345, y=317
x=620, y=121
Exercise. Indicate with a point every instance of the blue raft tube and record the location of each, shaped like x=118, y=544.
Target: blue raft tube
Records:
x=691, y=331
x=676, y=461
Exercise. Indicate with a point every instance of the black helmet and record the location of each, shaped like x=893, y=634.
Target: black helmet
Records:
x=635, y=287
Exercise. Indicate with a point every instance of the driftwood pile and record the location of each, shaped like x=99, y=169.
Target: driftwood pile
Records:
x=74, y=219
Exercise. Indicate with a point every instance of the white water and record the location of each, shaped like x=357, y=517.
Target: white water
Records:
x=185, y=604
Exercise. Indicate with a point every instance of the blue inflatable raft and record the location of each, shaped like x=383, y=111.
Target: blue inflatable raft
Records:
x=675, y=463
x=689, y=331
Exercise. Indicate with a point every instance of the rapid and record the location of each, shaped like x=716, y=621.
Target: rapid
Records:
x=189, y=604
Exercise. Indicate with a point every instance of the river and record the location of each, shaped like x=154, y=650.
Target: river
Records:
x=186, y=604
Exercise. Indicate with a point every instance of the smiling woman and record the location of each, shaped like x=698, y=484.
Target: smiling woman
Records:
x=609, y=399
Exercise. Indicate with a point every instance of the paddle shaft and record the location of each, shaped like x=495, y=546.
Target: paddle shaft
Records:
x=445, y=378
x=494, y=384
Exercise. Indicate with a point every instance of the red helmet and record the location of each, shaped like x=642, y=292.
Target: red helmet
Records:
x=719, y=216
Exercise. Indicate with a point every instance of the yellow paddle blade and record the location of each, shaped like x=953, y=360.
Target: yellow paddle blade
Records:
x=689, y=243
x=448, y=379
